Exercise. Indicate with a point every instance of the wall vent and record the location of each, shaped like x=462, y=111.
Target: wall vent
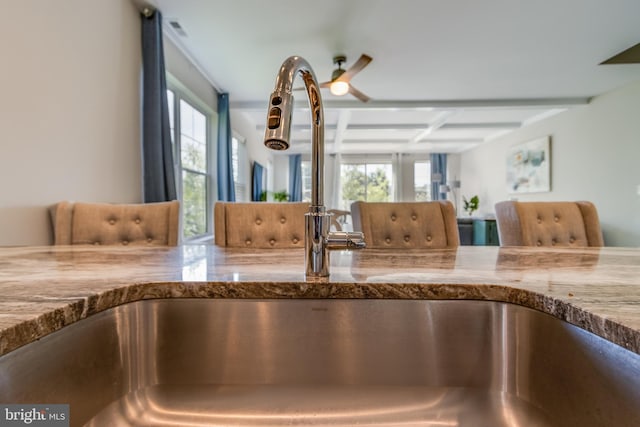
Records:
x=177, y=28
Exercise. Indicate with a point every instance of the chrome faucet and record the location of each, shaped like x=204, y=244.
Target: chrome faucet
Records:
x=318, y=238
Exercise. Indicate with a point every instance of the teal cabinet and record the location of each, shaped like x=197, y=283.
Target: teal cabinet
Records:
x=485, y=232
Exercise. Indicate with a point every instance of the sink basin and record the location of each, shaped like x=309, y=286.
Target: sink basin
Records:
x=221, y=362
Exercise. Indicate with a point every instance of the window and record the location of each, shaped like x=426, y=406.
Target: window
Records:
x=373, y=178
x=239, y=160
x=422, y=181
x=305, y=167
x=190, y=136
x=371, y=182
x=193, y=157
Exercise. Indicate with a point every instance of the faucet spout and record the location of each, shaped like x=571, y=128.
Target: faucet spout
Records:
x=318, y=239
x=278, y=130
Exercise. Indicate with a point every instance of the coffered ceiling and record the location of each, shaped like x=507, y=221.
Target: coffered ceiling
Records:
x=445, y=76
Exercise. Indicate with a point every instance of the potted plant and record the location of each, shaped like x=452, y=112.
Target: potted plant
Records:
x=470, y=205
x=281, y=196
x=278, y=196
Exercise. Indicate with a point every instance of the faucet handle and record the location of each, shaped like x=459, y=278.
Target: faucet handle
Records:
x=345, y=240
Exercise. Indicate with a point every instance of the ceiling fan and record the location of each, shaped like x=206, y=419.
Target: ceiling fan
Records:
x=340, y=79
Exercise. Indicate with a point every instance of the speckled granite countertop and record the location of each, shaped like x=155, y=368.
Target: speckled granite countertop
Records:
x=43, y=289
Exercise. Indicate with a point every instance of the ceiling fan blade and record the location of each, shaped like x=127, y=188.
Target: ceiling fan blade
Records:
x=362, y=62
x=355, y=92
x=628, y=56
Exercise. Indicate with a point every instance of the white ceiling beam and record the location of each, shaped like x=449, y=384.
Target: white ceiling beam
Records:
x=390, y=148
x=440, y=119
x=426, y=128
x=387, y=126
x=298, y=128
x=386, y=146
x=482, y=125
x=456, y=140
x=427, y=104
x=343, y=123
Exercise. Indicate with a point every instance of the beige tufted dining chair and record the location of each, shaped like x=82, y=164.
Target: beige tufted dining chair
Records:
x=565, y=224
x=115, y=224
x=406, y=225
x=260, y=225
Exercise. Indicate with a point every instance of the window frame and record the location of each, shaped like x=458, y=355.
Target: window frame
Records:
x=241, y=180
x=402, y=172
x=180, y=93
x=413, y=164
x=368, y=159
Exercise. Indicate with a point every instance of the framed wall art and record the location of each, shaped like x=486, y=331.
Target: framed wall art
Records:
x=529, y=166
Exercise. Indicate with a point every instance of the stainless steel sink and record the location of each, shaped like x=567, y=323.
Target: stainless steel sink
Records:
x=207, y=362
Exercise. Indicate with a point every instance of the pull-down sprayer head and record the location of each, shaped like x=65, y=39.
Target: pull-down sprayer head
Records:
x=279, y=121
x=278, y=129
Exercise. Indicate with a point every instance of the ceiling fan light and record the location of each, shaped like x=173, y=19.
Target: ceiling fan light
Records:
x=339, y=88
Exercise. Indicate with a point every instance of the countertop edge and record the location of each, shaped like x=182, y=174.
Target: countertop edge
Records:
x=73, y=310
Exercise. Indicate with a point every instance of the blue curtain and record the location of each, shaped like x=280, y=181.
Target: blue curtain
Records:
x=226, y=189
x=438, y=175
x=256, y=185
x=158, y=174
x=295, y=177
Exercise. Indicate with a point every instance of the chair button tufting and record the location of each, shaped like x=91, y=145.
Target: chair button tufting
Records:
x=572, y=240
x=247, y=242
x=149, y=240
x=112, y=221
x=393, y=217
x=272, y=242
x=295, y=240
x=407, y=238
x=538, y=243
x=414, y=217
x=388, y=240
x=556, y=219
x=125, y=242
x=428, y=238
x=553, y=242
x=283, y=220
x=258, y=221
x=137, y=220
x=96, y=243
x=539, y=220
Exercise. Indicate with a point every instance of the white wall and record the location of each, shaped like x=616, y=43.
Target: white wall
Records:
x=595, y=155
x=69, y=117
x=191, y=81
